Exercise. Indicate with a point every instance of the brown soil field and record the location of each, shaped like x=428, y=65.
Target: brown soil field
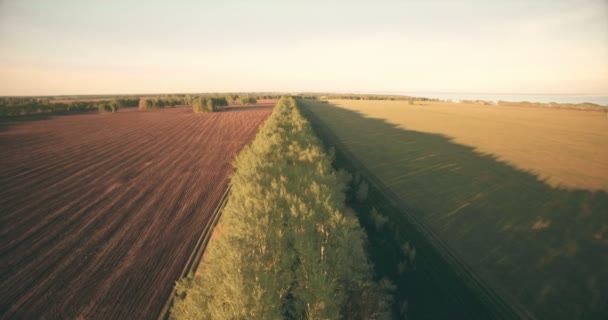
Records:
x=99, y=212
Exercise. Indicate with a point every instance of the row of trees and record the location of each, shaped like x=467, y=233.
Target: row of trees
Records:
x=10, y=107
x=115, y=104
x=200, y=103
x=247, y=100
x=367, y=97
x=161, y=102
x=288, y=248
x=233, y=99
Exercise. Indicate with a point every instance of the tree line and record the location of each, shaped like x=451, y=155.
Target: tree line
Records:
x=11, y=106
x=287, y=246
x=199, y=103
x=328, y=96
x=161, y=102
x=20, y=106
x=115, y=104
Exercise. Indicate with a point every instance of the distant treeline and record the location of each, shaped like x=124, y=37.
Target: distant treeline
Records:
x=329, y=96
x=578, y=106
x=10, y=107
x=257, y=95
x=286, y=247
x=19, y=106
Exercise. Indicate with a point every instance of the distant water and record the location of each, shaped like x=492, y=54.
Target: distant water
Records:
x=541, y=98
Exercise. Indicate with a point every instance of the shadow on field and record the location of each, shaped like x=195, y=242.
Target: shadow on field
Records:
x=545, y=247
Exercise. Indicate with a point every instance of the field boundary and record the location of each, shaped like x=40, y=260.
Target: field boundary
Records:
x=199, y=249
x=498, y=302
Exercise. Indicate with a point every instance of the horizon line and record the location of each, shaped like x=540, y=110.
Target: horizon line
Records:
x=397, y=93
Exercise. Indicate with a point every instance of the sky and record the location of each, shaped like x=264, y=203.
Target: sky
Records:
x=74, y=47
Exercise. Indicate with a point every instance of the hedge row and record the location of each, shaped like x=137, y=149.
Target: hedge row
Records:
x=286, y=246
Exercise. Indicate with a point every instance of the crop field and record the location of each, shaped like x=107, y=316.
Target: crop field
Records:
x=100, y=212
x=518, y=193
x=565, y=148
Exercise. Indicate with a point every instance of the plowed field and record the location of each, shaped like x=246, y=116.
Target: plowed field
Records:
x=99, y=212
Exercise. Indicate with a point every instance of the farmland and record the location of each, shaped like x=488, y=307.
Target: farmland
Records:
x=101, y=211
x=565, y=148
x=519, y=194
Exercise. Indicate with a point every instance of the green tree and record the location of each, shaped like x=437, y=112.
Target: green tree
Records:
x=289, y=248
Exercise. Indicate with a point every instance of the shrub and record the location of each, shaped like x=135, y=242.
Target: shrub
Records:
x=200, y=104
x=378, y=219
x=210, y=106
x=362, y=191
x=146, y=103
x=230, y=100
x=111, y=106
x=205, y=104
x=409, y=254
x=247, y=100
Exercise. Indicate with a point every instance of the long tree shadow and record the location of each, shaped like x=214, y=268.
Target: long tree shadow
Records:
x=545, y=247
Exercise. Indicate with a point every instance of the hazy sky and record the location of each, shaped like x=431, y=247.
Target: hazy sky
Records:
x=510, y=46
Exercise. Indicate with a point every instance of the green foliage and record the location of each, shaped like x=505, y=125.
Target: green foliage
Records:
x=105, y=107
x=210, y=106
x=362, y=191
x=146, y=103
x=207, y=104
x=124, y=103
x=379, y=219
x=10, y=107
x=162, y=102
x=199, y=105
x=115, y=104
x=288, y=247
x=345, y=177
x=409, y=254
x=230, y=100
x=247, y=99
